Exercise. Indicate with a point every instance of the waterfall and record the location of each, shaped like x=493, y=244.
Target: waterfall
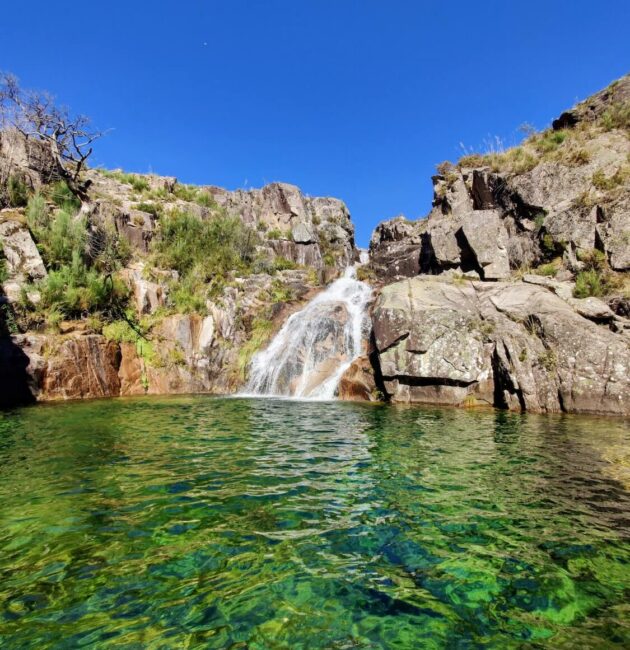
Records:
x=316, y=345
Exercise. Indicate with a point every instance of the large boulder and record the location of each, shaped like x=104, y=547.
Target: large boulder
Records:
x=357, y=382
x=508, y=344
x=395, y=248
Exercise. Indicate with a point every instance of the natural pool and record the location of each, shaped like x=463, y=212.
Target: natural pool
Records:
x=197, y=522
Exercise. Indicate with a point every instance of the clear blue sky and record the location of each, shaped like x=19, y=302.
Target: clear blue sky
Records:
x=355, y=99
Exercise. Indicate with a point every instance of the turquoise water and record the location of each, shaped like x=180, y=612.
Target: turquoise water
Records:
x=195, y=522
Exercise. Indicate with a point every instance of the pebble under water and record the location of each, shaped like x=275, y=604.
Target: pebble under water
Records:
x=199, y=522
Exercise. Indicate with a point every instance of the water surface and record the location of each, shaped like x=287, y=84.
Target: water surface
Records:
x=194, y=522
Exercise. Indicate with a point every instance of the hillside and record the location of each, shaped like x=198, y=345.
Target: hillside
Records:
x=146, y=284
x=519, y=288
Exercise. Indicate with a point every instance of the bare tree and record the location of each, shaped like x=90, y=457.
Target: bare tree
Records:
x=35, y=115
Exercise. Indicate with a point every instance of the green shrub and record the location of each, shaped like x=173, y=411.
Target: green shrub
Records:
x=283, y=264
x=579, y=157
x=4, y=272
x=63, y=197
x=274, y=233
x=280, y=292
x=550, y=140
x=109, y=249
x=61, y=238
x=548, y=270
x=588, y=283
x=616, y=117
x=260, y=334
x=593, y=259
x=186, y=192
x=539, y=219
x=37, y=213
x=74, y=290
x=121, y=331
x=205, y=199
x=204, y=253
x=138, y=183
x=17, y=192
x=150, y=208
x=603, y=182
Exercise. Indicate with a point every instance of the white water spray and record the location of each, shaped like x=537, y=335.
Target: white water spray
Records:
x=316, y=345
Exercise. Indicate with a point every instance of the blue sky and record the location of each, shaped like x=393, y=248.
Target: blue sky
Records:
x=354, y=99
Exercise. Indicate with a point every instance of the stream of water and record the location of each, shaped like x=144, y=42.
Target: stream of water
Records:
x=308, y=356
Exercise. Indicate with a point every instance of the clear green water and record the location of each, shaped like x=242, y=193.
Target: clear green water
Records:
x=227, y=523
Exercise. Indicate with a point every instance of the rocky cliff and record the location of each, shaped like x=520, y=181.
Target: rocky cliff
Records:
x=517, y=292
x=513, y=292
x=149, y=285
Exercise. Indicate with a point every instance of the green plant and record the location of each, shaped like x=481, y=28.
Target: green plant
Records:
x=603, y=182
x=205, y=199
x=283, y=264
x=328, y=259
x=17, y=192
x=37, y=213
x=280, y=292
x=578, y=157
x=548, y=270
x=616, y=117
x=8, y=323
x=593, y=259
x=185, y=192
x=74, y=290
x=588, y=283
x=204, y=253
x=150, y=208
x=548, y=360
x=109, y=249
x=539, y=219
x=63, y=197
x=550, y=140
x=548, y=243
x=61, y=238
x=128, y=331
x=274, y=233
x=260, y=333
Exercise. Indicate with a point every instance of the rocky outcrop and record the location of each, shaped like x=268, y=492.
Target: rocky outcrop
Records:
x=308, y=228
x=395, y=248
x=23, y=261
x=64, y=367
x=510, y=345
x=27, y=159
x=310, y=231
x=358, y=383
x=559, y=193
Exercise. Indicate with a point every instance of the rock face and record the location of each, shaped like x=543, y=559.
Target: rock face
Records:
x=505, y=344
x=308, y=227
x=357, y=382
x=27, y=159
x=67, y=367
x=560, y=193
x=23, y=261
x=395, y=248
x=465, y=328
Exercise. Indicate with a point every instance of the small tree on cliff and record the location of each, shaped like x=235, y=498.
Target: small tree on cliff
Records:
x=35, y=115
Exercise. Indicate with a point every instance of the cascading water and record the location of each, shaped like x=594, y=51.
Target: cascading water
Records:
x=316, y=345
